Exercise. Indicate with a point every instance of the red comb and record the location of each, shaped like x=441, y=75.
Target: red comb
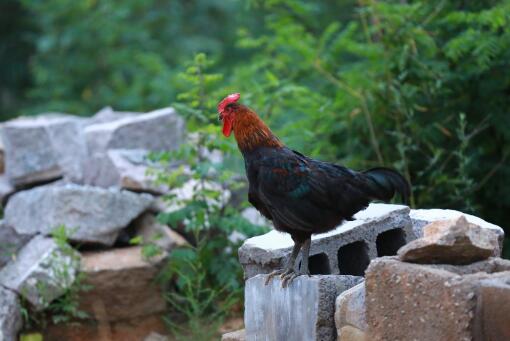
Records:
x=227, y=100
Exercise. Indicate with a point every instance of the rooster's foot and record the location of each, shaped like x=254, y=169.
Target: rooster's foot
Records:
x=280, y=272
x=289, y=277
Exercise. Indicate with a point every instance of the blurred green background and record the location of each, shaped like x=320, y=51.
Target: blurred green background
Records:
x=422, y=86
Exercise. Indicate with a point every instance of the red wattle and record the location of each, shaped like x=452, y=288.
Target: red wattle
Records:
x=227, y=127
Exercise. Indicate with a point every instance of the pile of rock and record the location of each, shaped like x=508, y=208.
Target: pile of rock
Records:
x=444, y=286
x=91, y=176
x=448, y=255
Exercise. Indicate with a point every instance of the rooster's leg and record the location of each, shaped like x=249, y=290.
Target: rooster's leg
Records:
x=289, y=268
x=303, y=270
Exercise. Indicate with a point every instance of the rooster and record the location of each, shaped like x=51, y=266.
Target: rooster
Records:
x=300, y=195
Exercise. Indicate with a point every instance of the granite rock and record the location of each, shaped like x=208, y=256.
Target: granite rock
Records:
x=10, y=243
x=43, y=148
x=350, y=308
x=10, y=315
x=41, y=271
x=159, y=130
x=453, y=241
x=91, y=214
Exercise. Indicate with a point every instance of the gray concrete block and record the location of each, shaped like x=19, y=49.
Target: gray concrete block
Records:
x=379, y=230
x=304, y=311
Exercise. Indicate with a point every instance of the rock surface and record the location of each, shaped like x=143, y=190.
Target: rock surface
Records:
x=10, y=243
x=43, y=148
x=123, y=169
x=159, y=130
x=135, y=329
x=6, y=189
x=41, y=272
x=423, y=217
x=494, y=308
x=451, y=242
x=377, y=231
x=10, y=315
x=426, y=302
x=238, y=335
x=152, y=231
x=123, y=285
x=91, y=214
x=350, y=308
x=349, y=333
x=302, y=311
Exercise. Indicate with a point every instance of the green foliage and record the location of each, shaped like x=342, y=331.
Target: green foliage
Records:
x=208, y=277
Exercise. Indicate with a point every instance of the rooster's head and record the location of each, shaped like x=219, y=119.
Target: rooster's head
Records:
x=226, y=110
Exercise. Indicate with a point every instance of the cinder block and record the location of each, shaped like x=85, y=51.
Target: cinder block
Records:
x=406, y=301
x=304, y=311
x=379, y=230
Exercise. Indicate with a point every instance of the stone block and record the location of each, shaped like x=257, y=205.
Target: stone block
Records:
x=124, y=168
x=494, y=308
x=41, y=272
x=349, y=333
x=159, y=130
x=152, y=231
x=302, y=311
x=379, y=230
x=10, y=315
x=350, y=308
x=135, y=329
x=426, y=302
x=10, y=243
x=453, y=241
x=423, y=217
x=238, y=335
x=43, y=148
x=91, y=214
x=123, y=285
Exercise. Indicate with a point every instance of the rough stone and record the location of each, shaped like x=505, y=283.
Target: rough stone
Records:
x=10, y=315
x=91, y=214
x=124, y=168
x=427, y=302
x=158, y=130
x=423, y=217
x=350, y=308
x=379, y=230
x=156, y=337
x=349, y=333
x=494, y=308
x=123, y=285
x=6, y=189
x=107, y=114
x=43, y=148
x=238, y=335
x=41, y=271
x=135, y=329
x=152, y=231
x=451, y=242
x=302, y=311
x=10, y=242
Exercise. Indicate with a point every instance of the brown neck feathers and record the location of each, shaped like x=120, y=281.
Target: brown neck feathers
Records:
x=251, y=132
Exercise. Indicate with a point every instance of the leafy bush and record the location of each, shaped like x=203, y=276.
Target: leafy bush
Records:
x=208, y=276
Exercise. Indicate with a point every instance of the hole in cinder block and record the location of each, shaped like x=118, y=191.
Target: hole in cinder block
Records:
x=389, y=242
x=319, y=264
x=353, y=259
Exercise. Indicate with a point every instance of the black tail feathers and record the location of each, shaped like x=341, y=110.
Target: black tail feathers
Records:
x=384, y=182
